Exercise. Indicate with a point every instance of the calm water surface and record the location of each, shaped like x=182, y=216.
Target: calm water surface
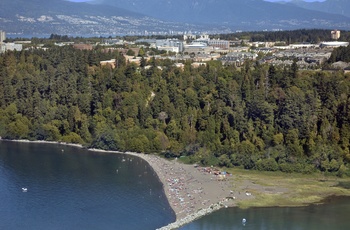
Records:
x=72, y=188
x=335, y=214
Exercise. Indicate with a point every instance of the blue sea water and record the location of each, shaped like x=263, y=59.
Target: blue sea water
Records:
x=72, y=188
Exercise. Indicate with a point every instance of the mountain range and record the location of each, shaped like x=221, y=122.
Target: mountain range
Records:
x=340, y=7
x=112, y=17
x=233, y=12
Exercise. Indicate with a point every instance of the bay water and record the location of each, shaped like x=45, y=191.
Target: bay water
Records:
x=73, y=188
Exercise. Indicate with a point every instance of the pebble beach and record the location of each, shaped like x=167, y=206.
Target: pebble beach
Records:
x=194, y=191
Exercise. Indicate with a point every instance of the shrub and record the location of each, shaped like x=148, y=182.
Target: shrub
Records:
x=267, y=165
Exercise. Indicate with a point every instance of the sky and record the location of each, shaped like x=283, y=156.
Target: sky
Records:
x=265, y=0
x=80, y=0
x=290, y=0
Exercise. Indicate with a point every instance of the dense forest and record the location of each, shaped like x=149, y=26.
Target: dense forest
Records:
x=340, y=54
x=289, y=36
x=257, y=117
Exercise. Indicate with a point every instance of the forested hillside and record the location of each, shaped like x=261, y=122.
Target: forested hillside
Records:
x=257, y=117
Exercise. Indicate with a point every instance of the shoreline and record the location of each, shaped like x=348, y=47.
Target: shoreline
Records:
x=193, y=192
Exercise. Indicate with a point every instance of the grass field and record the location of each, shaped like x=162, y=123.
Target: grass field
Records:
x=282, y=189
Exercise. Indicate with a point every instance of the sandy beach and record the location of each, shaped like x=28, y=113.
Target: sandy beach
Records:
x=189, y=188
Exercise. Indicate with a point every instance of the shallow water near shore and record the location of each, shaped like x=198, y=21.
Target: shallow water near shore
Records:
x=72, y=188
x=333, y=214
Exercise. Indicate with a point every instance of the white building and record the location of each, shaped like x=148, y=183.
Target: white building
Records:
x=223, y=44
x=189, y=37
x=13, y=46
x=173, y=45
x=335, y=34
x=2, y=36
x=333, y=44
x=2, y=39
x=198, y=47
x=170, y=49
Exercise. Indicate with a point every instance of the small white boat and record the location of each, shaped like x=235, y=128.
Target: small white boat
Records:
x=24, y=189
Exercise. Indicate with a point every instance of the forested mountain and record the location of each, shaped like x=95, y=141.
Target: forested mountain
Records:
x=329, y=6
x=32, y=17
x=246, y=14
x=258, y=117
x=36, y=17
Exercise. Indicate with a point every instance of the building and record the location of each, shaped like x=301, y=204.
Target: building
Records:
x=335, y=34
x=198, y=64
x=333, y=44
x=219, y=43
x=180, y=66
x=110, y=63
x=173, y=45
x=204, y=37
x=8, y=46
x=237, y=58
x=198, y=47
x=2, y=48
x=113, y=41
x=2, y=39
x=83, y=46
x=2, y=36
x=133, y=59
x=152, y=42
x=12, y=46
x=189, y=37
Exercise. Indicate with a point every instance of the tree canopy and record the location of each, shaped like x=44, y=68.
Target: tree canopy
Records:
x=257, y=117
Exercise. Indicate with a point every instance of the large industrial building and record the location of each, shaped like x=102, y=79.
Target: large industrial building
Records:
x=333, y=44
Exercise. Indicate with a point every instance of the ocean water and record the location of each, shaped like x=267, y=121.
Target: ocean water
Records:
x=72, y=188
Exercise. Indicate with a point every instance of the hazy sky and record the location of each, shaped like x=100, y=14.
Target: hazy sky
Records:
x=290, y=0
x=265, y=0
